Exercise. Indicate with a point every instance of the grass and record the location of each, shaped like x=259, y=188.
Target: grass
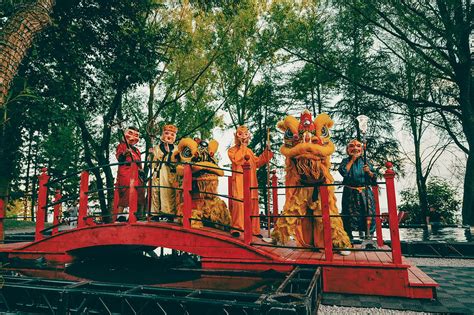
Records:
x=10, y=224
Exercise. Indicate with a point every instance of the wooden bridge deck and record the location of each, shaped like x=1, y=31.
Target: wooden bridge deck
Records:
x=370, y=272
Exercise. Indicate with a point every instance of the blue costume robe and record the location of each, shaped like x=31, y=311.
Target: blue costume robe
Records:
x=357, y=202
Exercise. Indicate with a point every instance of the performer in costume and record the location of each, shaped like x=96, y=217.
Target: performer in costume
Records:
x=308, y=148
x=205, y=170
x=357, y=197
x=237, y=155
x=128, y=152
x=164, y=173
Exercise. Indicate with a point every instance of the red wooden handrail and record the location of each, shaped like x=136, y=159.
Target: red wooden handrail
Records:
x=324, y=192
x=57, y=209
x=392, y=214
x=378, y=222
x=42, y=200
x=83, y=199
x=247, y=201
x=133, y=196
x=274, y=194
x=187, y=195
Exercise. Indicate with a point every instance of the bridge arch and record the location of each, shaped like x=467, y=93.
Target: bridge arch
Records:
x=207, y=243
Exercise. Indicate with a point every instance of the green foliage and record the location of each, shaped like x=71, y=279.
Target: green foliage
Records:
x=185, y=87
x=249, y=62
x=11, y=225
x=441, y=195
x=79, y=71
x=304, y=31
x=357, y=62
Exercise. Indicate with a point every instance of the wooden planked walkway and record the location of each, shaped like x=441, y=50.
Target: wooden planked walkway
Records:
x=311, y=257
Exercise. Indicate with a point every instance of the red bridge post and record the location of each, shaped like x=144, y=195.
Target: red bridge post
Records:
x=57, y=208
x=392, y=214
x=42, y=199
x=274, y=195
x=378, y=222
x=187, y=197
x=2, y=216
x=83, y=199
x=323, y=190
x=133, y=197
x=247, y=201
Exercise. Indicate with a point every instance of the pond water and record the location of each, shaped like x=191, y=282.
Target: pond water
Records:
x=176, y=271
x=441, y=234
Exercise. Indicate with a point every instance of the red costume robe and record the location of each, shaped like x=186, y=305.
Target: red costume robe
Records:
x=123, y=175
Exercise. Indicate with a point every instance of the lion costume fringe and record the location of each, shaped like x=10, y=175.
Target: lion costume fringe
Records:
x=308, y=148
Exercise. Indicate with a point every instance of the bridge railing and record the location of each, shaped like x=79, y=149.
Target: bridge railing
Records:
x=84, y=219
x=326, y=216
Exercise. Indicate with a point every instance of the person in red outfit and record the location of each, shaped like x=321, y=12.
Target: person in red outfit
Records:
x=128, y=152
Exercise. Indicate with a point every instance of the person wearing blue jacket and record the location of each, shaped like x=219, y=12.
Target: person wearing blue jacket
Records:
x=358, y=206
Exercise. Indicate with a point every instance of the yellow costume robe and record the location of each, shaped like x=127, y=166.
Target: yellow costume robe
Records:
x=163, y=199
x=236, y=155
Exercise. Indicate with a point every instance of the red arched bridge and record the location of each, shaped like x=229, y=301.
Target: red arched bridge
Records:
x=379, y=271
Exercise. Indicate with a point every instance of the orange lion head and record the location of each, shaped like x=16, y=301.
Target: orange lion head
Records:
x=307, y=146
x=201, y=154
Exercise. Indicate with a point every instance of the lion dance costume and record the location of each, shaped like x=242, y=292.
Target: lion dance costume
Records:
x=206, y=174
x=308, y=148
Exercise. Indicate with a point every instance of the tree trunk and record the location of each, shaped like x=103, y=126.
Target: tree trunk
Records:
x=4, y=188
x=150, y=136
x=320, y=101
x=17, y=38
x=5, y=175
x=468, y=196
x=27, y=180
x=465, y=82
x=103, y=155
x=34, y=182
x=420, y=178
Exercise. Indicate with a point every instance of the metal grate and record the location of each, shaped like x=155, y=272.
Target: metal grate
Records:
x=299, y=293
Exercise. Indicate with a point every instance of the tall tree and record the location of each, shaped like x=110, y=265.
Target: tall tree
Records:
x=87, y=62
x=427, y=150
x=358, y=63
x=304, y=27
x=242, y=59
x=182, y=91
x=438, y=33
x=17, y=37
x=333, y=42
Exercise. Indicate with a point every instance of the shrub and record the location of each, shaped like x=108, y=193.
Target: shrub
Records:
x=440, y=194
